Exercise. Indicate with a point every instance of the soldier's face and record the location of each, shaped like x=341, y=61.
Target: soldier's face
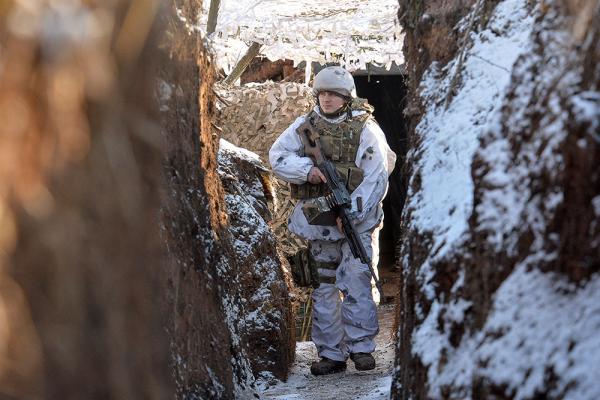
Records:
x=330, y=102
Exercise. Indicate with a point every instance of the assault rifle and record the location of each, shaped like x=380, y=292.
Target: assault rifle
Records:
x=339, y=199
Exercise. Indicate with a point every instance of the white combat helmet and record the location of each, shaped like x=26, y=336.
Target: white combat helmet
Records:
x=335, y=79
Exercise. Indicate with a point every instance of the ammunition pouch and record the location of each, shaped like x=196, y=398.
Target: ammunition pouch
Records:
x=305, y=270
x=307, y=191
x=318, y=212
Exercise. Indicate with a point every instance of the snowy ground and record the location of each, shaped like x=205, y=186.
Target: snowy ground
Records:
x=352, y=384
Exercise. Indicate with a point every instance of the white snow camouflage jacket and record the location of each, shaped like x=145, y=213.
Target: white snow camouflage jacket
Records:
x=374, y=157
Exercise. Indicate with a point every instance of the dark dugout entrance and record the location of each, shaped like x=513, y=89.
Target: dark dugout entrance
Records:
x=387, y=93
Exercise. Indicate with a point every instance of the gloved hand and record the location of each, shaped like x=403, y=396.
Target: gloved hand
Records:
x=315, y=176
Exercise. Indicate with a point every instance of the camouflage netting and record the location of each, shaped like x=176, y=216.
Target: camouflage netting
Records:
x=252, y=117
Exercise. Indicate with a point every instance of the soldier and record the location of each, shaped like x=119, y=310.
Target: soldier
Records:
x=354, y=142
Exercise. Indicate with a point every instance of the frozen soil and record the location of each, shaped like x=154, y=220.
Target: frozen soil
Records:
x=351, y=384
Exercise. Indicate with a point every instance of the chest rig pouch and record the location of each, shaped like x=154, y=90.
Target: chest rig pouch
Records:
x=340, y=144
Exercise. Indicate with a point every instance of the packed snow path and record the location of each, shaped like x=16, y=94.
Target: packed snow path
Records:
x=352, y=384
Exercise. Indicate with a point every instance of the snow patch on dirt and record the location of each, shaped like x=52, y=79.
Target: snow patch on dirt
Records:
x=444, y=202
x=534, y=315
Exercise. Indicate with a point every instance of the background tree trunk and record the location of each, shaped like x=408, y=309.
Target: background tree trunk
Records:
x=241, y=66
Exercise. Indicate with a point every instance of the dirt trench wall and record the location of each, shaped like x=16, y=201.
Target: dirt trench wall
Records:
x=500, y=268
x=430, y=36
x=199, y=353
x=230, y=314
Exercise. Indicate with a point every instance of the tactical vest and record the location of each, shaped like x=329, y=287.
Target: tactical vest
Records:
x=340, y=144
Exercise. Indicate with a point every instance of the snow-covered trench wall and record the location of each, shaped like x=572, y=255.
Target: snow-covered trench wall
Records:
x=500, y=293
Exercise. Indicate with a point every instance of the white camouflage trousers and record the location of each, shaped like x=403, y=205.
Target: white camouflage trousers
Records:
x=347, y=323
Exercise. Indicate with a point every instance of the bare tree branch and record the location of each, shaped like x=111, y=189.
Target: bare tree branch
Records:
x=243, y=63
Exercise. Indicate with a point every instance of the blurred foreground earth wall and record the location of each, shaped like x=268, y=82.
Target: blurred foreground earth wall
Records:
x=121, y=275
x=81, y=258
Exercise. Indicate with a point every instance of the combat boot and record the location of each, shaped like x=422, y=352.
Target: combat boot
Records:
x=363, y=361
x=326, y=366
